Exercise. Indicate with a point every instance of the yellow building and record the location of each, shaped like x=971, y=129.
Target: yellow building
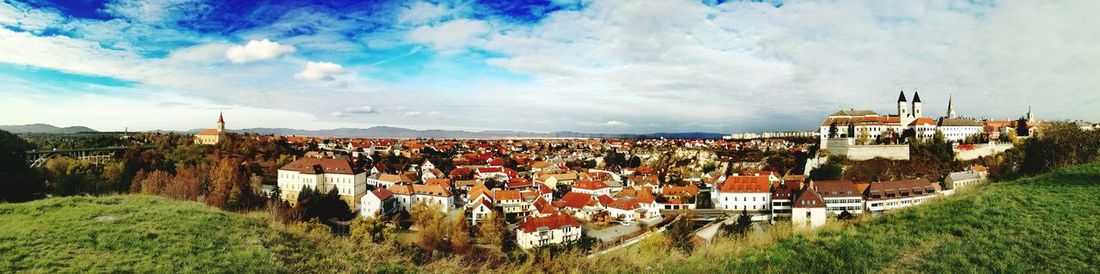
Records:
x=211, y=136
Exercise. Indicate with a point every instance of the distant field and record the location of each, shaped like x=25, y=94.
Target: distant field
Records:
x=1045, y=224
x=142, y=234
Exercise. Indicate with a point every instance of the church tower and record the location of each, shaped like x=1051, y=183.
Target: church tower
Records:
x=916, y=105
x=903, y=106
x=951, y=106
x=221, y=123
x=1030, y=118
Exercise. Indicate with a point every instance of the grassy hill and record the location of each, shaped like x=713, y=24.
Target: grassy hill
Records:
x=143, y=234
x=1045, y=224
x=1041, y=224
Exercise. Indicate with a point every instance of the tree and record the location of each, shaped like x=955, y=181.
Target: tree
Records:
x=492, y=230
x=635, y=162
x=370, y=229
x=827, y=172
x=229, y=188
x=460, y=234
x=832, y=130
x=1022, y=129
x=844, y=215
x=682, y=231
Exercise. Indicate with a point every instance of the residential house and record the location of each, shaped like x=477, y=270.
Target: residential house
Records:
x=591, y=187
x=809, y=209
x=535, y=232
x=379, y=202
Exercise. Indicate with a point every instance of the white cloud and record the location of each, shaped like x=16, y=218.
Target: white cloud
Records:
x=28, y=19
x=411, y=114
x=257, y=50
x=154, y=11
x=450, y=35
x=422, y=12
x=315, y=71
x=201, y=53
x=616, y=123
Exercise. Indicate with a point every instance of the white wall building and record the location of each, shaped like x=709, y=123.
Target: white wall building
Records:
x=883, y=196
x=323, y=175
x=809, y=210
x=558, y=228
x=750, y=193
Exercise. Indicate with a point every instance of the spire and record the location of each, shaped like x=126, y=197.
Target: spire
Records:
x=901, y=97
x=950, y=106
x=220, y=119
x=916, y=97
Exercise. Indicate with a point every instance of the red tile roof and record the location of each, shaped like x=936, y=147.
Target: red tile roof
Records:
x=808, y=199
x=624, y=204
x=589, y=184
x=382, y=194
x=745, y=184
x=577, y=200
x=319, y=166
x=554, y=221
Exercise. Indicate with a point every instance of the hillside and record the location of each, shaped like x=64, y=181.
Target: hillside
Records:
x=44, y=128
x=1043, y=224
x=143, y=234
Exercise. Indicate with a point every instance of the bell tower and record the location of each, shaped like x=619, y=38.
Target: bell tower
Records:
x=221, y=123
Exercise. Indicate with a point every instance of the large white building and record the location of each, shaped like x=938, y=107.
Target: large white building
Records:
x=323, y=175
x=556, y=228
x=749, y=193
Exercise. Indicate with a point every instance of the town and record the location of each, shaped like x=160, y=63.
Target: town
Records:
x=556, y=191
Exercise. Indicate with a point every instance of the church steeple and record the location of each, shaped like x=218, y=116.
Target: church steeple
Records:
x=221, y=122
x=916, y=105
x=903, y=108
x=951, y=106
x=1030, y=118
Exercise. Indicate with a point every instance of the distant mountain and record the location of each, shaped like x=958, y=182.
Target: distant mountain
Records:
x=396, y=132
x=44, y=128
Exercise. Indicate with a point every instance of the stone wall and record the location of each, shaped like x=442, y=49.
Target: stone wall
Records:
x=847, y=147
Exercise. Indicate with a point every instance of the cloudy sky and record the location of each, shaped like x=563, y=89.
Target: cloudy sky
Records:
x=592, y=66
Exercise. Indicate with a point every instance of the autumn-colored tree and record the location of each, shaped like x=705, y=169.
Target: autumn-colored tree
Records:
x=491, y=231
x=432, y=226
x=155, y=182
x=460, y=234
x=186, y=185
x=228, y=186
x=370, y=229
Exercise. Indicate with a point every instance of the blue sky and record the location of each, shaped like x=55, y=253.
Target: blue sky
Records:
x=582, y=65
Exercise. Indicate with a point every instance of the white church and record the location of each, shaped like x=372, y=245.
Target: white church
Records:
x=860, y=124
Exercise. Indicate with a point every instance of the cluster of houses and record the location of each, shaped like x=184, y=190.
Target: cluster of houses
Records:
x=549, y=201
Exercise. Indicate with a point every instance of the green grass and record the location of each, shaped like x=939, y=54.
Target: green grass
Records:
x=1046, y=224
x=136, y=233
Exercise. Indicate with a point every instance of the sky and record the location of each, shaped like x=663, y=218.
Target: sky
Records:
x=590, y=65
